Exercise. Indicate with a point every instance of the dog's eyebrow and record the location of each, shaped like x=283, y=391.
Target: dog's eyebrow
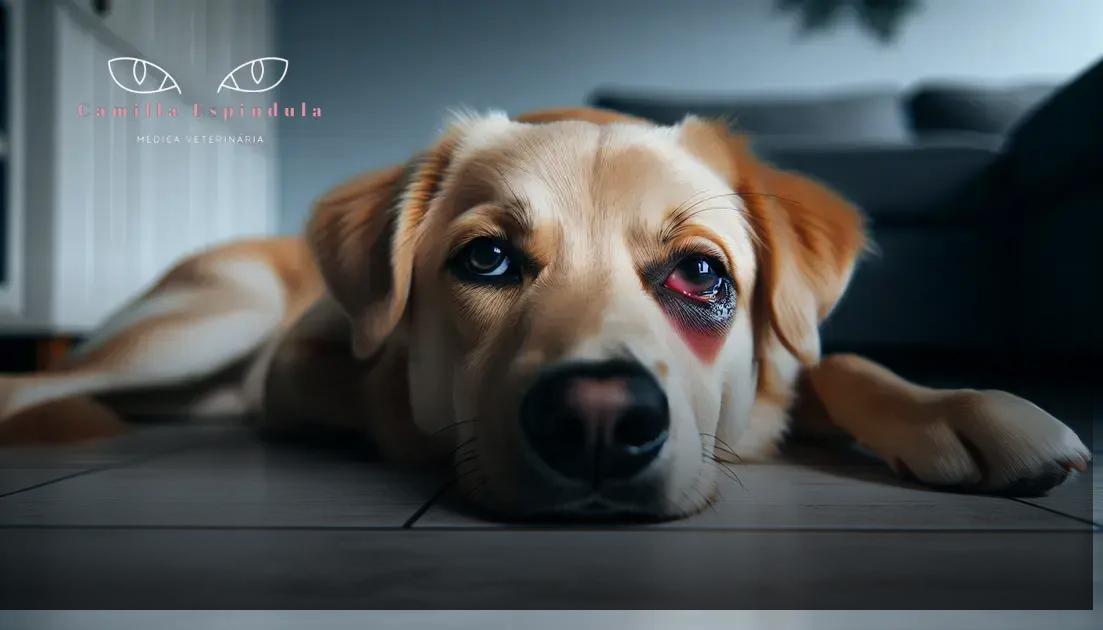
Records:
x=511, y=216
x=678, y=218
x=518, y=211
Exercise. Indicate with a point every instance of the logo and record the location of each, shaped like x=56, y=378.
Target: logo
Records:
x=122, y=69
x=140, y=76
x=256, y=73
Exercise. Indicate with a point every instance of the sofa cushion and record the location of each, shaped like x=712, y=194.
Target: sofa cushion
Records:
x=861, y=117
x=926, y=288
x=899, y=183
x=947, y=107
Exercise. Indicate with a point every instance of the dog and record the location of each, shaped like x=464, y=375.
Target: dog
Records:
x=583, y=311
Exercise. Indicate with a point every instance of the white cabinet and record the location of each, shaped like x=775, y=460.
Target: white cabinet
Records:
x=108, y=203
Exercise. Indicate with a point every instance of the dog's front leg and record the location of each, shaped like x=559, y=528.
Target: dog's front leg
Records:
x=983, y=441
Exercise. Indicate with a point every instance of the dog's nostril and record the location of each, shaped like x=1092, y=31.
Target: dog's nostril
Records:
x=567, y=429
x=639, y=428
x=596, y=420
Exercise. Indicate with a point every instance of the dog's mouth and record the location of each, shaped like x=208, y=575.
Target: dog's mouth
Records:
x=598, y=508
x=621, y=505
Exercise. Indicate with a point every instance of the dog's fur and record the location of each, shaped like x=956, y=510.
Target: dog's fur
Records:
x=360, y=325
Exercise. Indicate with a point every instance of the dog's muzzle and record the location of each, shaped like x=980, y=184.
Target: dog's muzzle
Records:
x=596, y=421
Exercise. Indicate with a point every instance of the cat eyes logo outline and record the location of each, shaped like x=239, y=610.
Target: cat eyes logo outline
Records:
x=140, y=76
x=140, y=72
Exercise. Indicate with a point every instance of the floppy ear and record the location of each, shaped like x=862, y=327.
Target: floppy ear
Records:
x=807, y=238
x=364, y=234
x=810, y=238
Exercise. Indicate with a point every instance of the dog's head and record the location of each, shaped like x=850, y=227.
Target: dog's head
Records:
x=584, y=299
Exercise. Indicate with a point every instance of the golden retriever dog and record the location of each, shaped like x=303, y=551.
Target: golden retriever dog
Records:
x=584, y=311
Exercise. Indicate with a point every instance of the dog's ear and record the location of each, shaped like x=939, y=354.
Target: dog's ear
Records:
x=807, y=237
x=364, y=234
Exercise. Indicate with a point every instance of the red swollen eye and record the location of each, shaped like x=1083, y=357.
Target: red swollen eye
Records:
x=695, y=278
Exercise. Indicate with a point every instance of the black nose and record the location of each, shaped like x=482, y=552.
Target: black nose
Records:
x=596, y=421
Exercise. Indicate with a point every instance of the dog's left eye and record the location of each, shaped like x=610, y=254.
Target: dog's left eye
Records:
x=695, y=277
x=486, y=259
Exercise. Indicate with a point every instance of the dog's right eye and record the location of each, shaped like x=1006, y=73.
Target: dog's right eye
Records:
x=486, y=260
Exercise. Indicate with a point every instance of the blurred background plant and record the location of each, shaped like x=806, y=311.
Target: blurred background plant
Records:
x=880, y=18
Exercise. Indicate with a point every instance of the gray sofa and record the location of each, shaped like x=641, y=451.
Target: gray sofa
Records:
x=935, y=170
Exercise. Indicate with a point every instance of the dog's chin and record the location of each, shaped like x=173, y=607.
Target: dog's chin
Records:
x=599, y=509
x=595, y=507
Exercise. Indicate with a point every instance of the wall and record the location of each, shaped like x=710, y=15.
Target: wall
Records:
x=386, y=73
x=104, y=215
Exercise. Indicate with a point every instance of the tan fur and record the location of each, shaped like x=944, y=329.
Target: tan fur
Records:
x=587, y=114
x=359, y=250
x=808, y=237
x=65, y=420
x=289, y=258
x=394, y=346
x=966, y=438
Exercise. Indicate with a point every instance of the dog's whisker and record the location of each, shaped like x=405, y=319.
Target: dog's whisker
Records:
x=465, y=473
x=465, y=457
x=685, y=491
x=680, y=216
x=452, y=426
x=708, y=501
x=678, y=507
x=752, y=193
x=685, y=219
x=715, y=458
x=476, y=493
x=681, y=508
x=458, y=472
x=720, y=450
x=682, y=206
x=463, y=444
x=727, y=447
x=684, y=213
x=687, y=507
x=729, y=472
x=666, y=234
x=720, y=455
x=470, y=469
x=709, y=198
x=464, y=460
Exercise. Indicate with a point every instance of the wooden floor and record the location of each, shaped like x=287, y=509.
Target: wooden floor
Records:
x=208, y=516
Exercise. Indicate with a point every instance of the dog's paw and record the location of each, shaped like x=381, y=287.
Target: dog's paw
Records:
x=986, y=441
